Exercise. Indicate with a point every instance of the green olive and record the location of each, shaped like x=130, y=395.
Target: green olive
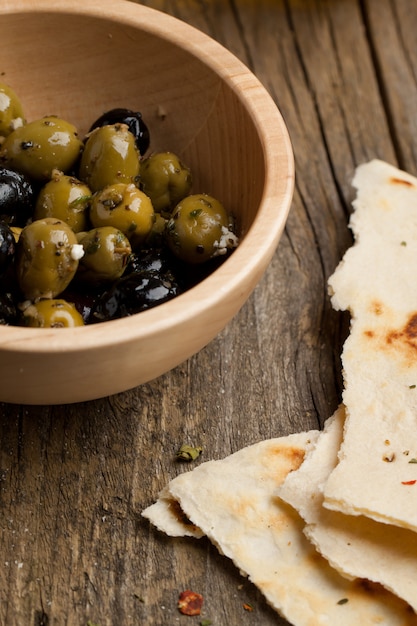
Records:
x=106, y=254
x=11, y=111
x=110, y=156
x=125, y=207
x=52, y=313
x=65, y=198
x=41, y=146
x=196, y=227
x=47, y=257
x=165, y=179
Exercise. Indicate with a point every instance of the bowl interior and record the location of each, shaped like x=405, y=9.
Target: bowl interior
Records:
x=78, y=66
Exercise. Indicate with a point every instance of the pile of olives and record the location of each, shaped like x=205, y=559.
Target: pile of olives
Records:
x=97, y=228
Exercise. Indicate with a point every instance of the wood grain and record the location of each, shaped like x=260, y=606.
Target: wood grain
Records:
x=74, y=479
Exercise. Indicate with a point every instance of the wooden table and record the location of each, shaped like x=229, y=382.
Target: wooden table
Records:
x=74, y=479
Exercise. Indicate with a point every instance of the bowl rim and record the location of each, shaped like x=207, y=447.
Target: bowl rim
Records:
x=277, y=190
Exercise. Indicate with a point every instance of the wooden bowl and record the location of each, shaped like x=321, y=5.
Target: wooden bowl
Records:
x=79, y=59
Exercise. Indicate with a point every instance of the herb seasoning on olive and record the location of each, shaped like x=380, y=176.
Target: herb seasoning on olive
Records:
x=109, y=156
x=39, y=147
x=47, y=257
x=106, y=254
x=198, y=229
x=66, y=198
x=125, y=207
x=51, y=313
x=92, y=230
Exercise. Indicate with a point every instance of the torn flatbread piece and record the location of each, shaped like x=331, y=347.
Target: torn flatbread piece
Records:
x=377, y=471
x=356, y=546
x=233, y=501
x=167, y=515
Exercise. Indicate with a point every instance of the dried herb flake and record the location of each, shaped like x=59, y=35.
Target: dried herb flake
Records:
x=189, y=453
x=195, y=212
x=79, y=201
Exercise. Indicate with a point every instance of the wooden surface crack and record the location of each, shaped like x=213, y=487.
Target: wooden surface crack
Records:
x=381, y=67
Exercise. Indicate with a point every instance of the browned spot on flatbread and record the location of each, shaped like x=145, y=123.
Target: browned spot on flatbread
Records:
x=391, y=336
x=369, y=333
x=376, y=307
x=407, y=335
x=281, y=460
x=411, y=328
x=400, y=181
x=403, y=340
x=294, y=456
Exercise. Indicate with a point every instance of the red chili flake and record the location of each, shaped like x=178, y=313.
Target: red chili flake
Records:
x=247, y=606
x=190, y=602
x=408, y=482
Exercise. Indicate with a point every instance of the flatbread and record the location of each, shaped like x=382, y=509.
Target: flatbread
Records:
x=168, y=517
x=355, y=546
x=233, y=502
x=377, y=471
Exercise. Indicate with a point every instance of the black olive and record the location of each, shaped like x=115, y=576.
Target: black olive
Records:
x=82, y=299
x=134, y=293
x=163, y=261
x=16, y=197
x=134, y=121
x=8, y=311
x=159, y=260
x=192, y=274
x=7, y=247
